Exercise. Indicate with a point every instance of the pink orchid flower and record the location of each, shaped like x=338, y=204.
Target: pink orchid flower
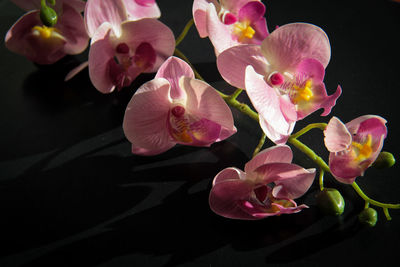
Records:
x=230, y=22
x=116, y=60
x=283, y=77
x=354, y=146
x=174, y=108
x=267, y=186
x=46, y=45
x=114, y=12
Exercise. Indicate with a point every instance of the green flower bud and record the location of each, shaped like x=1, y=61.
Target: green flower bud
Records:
x=368, y=217
x=48, y=16
x=330, y=201
x=384, y=160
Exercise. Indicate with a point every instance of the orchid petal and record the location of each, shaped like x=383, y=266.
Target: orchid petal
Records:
x=251, y=11
x=288, y=45
x=146, y=117
x=287, y=108
x=219, y=34
x=71, y=25
x=266, y=101
x=98, y=12
x=372, y=124
x=204, y=102
x=199, y=11
x=139, y=9
x=233, y=67
x=330, y=101
x=272, y=134
x=343, y=167
x=280, y=171
x=153, y=32
x=100, y=54
x=290, y=210
x=311, y=68
x=260, y=26
x=229, y=174
x=226, y=197
x=234, y=6
x=281, y=153
x=172, y=69
x=296, y=186
x=337, y=137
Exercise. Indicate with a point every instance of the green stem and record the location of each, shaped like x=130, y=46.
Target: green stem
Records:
x=310, y=153
x=235, y=94
x=183, y=34
x=244, y=108
x=371, y=201
x=321, y=126
x=260, y=144
x=321, y=179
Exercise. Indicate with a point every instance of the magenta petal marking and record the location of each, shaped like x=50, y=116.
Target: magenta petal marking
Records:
x=229, y=19
x=122, y=48
x=205, y=131
x=311, y=68
x=252, y=11
x=262, y=192
x=118, y=74
x=145, y=2
x=145, y=56
x=186, y=129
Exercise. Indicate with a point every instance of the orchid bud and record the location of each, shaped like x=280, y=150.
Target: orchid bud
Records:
x=384, y=160
x=48, y=16
x=330, y=202
x=368, y=217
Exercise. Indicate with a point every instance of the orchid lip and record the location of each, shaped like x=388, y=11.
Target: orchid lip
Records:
x=122, y=48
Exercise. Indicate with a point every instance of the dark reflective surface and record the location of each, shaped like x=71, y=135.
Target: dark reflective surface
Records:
x=72, y=194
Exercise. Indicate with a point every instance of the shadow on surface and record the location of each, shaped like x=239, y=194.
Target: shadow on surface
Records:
x=165, y=207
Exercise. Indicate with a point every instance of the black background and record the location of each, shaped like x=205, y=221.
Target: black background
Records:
x=72, y=194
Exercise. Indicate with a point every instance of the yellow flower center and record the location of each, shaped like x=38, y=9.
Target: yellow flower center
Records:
x=243, y=30
x=44, y=31
x=363, y=150
x=303, y=93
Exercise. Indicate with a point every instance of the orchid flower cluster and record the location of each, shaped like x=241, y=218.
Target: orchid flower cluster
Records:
x=281, y=71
